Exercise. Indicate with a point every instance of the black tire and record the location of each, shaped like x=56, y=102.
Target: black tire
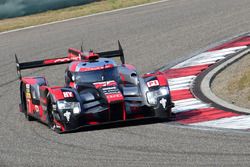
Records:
x=169, y=116
x=164, y=115
x=51, y=123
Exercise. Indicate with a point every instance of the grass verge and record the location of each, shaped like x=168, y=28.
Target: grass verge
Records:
x=241, y=83
x=233, y=83
x=66, y=13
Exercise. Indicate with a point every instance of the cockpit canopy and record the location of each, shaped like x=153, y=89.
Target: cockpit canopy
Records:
x=95, y=71
x=96, y=76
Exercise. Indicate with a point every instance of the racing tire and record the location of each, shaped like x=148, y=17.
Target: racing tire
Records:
x=51, y=122
x=167, y=117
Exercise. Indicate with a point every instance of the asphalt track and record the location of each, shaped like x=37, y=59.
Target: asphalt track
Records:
x=152, y=36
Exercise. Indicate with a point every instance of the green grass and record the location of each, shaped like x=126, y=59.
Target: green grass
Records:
x=71, y=12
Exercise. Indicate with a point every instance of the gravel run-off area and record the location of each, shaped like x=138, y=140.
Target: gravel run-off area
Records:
x=233, y=83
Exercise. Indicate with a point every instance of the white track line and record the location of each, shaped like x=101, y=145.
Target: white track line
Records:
x=208, y=57
x=236, y=122
x=181, y=79
x=180, y=86
x=188, y=104
x=181, y=82
x=81, y=17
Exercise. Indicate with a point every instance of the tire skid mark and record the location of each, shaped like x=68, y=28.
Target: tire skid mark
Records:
x=8, y=82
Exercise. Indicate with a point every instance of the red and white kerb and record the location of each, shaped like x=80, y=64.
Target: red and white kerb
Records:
x=191, y=110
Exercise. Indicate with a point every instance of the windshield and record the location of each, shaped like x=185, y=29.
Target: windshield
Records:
x=97, y=75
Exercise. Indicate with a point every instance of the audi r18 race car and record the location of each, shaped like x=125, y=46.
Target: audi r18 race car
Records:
x=96, y=91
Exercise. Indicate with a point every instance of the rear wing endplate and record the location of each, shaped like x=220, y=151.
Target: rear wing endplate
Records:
x=114, y=53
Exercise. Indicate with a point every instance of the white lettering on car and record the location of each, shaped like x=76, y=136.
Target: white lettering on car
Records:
x=153, y=83
x=68, y=94
x=62, y=60
x=104, y=84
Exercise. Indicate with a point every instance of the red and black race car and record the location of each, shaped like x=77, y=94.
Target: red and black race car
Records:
x=96, y=91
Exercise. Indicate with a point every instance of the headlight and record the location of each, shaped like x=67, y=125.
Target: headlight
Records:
x=153, y=95
x=64, y=105
x=163, y=91
x=151, y=98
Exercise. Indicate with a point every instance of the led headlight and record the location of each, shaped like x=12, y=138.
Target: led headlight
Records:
x=77, y=109
x=153, y=95
x=163, y=91
x=151, y=98
x=64, y=105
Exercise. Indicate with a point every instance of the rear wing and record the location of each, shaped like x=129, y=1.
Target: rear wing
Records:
x=114, y=53
x=73, y=55
x=40, y=63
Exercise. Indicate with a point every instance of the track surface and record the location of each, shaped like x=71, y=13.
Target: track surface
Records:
x=152, y=36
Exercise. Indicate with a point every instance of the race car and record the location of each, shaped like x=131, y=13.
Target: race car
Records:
x=96, y=91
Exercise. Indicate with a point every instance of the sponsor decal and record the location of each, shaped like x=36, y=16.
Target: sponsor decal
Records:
x=104, y=84
x=110, y=90
x=67, y=115
x=96, y=68
x=113, y=96
x=163, y=102
x=27, y=92
x=62, y=60
x=28, y=96
x=67, y=59
x=68, y=94
x=153, y=83
x=27, y=88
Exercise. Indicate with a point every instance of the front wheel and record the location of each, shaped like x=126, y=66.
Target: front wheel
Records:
x=52, y=125
x=51, y=119
x=164, y=115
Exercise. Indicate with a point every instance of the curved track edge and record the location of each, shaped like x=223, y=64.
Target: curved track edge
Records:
x=206, y=79
x=187, y=80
